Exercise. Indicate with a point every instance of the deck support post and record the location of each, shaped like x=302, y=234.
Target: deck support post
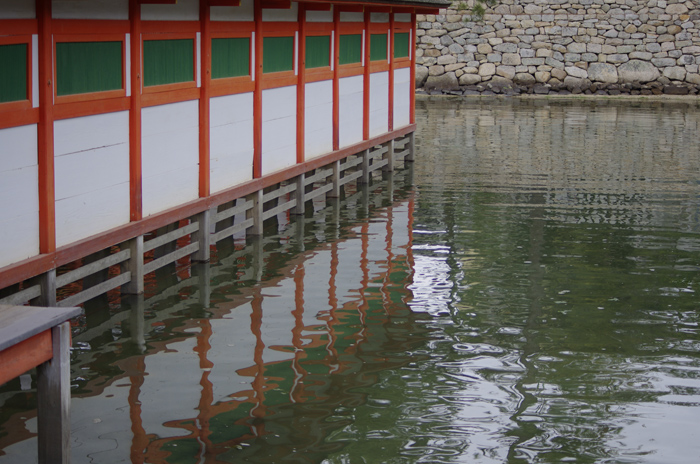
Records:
x=53, y=407
x=410, y=157
x=365, y=167
x=203, y=237
x=47, y=284
x=335, y=178
x=258, y=261
x=137, y=322
x=134, y=265
x=389, y=156
x=299, y=195
x=256, y=213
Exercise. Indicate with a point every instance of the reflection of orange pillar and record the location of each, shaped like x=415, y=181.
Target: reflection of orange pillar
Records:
x=299, y=372
x=386, y=290
x=364, y=266
x=333, y=302
x=207, y=396
x=258, y=384
x=409, y=245
x=140, y=441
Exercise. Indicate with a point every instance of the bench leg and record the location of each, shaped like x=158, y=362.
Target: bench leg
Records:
x=53, y=409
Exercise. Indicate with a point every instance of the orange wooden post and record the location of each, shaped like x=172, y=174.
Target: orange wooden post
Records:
x=366, y=86
x=135, y=178
x=301, y=83
x=204, y=128
x=257, y=93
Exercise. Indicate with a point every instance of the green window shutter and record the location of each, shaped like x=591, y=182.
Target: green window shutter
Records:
x=401, y=45
x=350, y=49
x=168, y=61
x=318, y=51
x=230, y=57
x=278, y=54
x=13, y=72
x=84, y=67
x=377, y=47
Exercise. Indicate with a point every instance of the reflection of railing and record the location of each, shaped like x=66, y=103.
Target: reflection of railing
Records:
x=124, y=265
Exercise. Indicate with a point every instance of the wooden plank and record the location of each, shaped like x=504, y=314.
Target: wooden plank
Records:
x=350, y=177
x=25, y=355
x=229, y=231
x=18, y=323
x=22, y=297
x=170, y=236
x=100, y=264
x=278, y=192
x=378, y=164
x=280, y=209
x=95, y=291
x=171, y=258
x=320, y=175
x=238, y=209
x=318, y=192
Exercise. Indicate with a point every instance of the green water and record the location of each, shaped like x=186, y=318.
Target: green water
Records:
x=526, y=292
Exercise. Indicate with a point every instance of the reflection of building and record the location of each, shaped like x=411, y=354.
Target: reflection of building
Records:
x=118, y=118
x=205, y=385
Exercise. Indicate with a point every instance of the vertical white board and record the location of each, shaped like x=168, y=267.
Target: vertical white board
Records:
x=93, y=9
x=231, y=146
x=402, y=97
x=183, y=10
x=279, y=129
x=19, y=194
x=318, y=119
x=378, y=103
x=170, y=155
x=351, y=110
x=91, y=163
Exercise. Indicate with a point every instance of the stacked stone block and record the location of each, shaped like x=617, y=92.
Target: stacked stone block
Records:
x=562, y=46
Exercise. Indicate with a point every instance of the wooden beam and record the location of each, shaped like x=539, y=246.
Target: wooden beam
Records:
x=224, y=2
x=26, y=355
x=204, y=102
x=135, y=163
x=392, y=66
x=412, y=83
x=276, y=4
x=257, y=93
x=336, y=79
x=366, y=81
x=301, y=82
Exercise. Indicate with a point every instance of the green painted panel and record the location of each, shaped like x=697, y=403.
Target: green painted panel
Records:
x=13, y=72
x=278, y=54
x=168, y=61
x=350, y=49
x=377, y=47
x=401, y=45
x=84, y=67
x=230, y=57
x=318, y=51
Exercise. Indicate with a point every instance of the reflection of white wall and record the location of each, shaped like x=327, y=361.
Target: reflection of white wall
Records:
x=402, y=97
x=317, y=273
x=378, y=103
x=278, y=320
x=350, y=117
x=349, y=275
x=231, y=145
x=279, y=128
x=318, y=119
x=170, y=155
x=171, y=389
x=19, y=194
x=91, y=156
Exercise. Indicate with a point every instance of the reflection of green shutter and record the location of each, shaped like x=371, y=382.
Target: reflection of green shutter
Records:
x=13, y=72
x=230, y=57
x=401, y=45
x=83, y=67
x=278, y=54
x=377, y=47
x=318, y=51
x=168, y=61
x=350, y=49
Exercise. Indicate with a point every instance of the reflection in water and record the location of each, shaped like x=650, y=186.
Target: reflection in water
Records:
x=527, y=293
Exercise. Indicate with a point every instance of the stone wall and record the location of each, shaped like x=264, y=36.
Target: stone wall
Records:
x=562, y=46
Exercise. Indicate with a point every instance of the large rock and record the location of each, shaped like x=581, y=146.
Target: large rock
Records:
x=574, y=71
x=421, y=76
x=487, y=69
x=675, y=73
x=637, y=71
x=524, y=79
x=602, y=72
x=469, y=79
x=693, y=78
x=447, y=81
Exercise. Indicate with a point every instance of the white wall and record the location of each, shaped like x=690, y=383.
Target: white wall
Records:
x=231, y=148
x=91, y=162
x=378, y=103
x=277, y=14
x=351, y=105
x=279, y=128
x=402, y=97
x=19, y=194
x=92, y=9
x=402, y=17
x=17, y=9
x=243, y=12
x=183, y=10
x=170, y=155
x=318, y=119
x=320, y=16
x=351, y=17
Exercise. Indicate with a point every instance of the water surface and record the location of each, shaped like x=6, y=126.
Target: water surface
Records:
x=527, y=292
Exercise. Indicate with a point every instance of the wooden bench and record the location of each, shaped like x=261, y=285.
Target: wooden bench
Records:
x=41, y=337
